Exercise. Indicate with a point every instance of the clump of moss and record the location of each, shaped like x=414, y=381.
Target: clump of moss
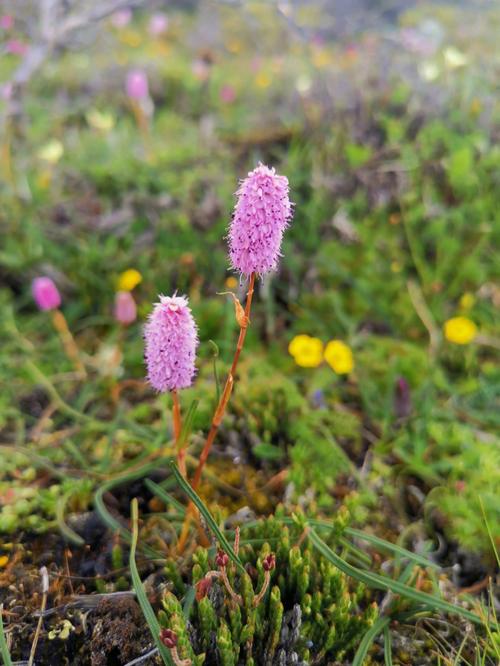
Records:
x=310, y=612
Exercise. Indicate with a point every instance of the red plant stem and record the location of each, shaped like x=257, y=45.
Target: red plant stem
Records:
x=219, y=412
x=68, y=341
x=226, y=393
x=181, y=451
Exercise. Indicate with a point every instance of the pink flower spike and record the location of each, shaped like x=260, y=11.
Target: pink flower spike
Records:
x=45, y=293
x=137, y=84
x=6, y=22
x=121, y=18
x=227, y=94
x=125, y=308
x=261, y=215
x=171, y=338
x=158, y=24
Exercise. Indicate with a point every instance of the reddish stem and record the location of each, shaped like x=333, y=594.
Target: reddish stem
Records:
x=181, y=451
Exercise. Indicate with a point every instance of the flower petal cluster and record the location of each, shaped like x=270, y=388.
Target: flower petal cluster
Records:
x=171, y=338
x=45, y=293
x=261, y=215
x=460, y=330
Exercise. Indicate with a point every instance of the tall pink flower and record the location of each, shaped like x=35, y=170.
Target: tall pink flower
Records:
x=45, y=293
x=137, y=84
x=171, y=338
x=125, y=308
x=260, y=218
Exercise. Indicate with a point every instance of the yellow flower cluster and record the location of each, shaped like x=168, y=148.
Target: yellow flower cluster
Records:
x=309, y=352
x=129, y=279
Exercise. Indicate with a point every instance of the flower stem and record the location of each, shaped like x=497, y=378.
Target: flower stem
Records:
x=220, y=410
x=69, y=344
x=226, y=393
x=181, y=451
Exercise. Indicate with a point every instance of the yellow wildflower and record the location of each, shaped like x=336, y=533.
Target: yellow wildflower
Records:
x=307, y=351
x=263, y=80
x=51, y=152
x=100, y=120
x=129, y=279
x=339, y=356
x=4, y=560
x=460, y=330
x=467, y=301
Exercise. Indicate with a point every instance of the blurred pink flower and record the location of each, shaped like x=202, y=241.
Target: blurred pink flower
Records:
x=6, y=21
x=45, y=293
x=6, y=91
x=137, y=84
x=121, y=18
x=201, y=70
x=171, y=338
x=261, y=215
x=16, y=47
x=227, y=94
x=125, y=311
x=158, y=24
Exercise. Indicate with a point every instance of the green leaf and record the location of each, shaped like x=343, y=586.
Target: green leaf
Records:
x=267, y=452
x=391, y=547
x=4, y=650
x=142, y=598
x=372, y=633
x=110, y=520
x=187, y=424
x=164, y=496
x=378, y=582
x=387, y=646
x=209, y=519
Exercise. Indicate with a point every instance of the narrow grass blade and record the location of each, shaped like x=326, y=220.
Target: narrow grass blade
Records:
x=187, y=424
x=209, y=519
x=164, y=496
x=64, y=528
x=387, y=646
x=372, y=633
x=390, y=547
x=4, y=650
x=142, y=598
x=109, y=519
x=378, y=582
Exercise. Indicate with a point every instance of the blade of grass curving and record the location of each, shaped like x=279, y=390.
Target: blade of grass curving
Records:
x=164, y=496
x=187, y=424
x=387, y=646
x=488, y=529
x=189, y=598
x=377, y=627
x=209, y=519
x=4, y=650
x=391, y=547
x=109, y=520
x=140, y=592
x=64, y=528
x=215, y=356
x=378, y=582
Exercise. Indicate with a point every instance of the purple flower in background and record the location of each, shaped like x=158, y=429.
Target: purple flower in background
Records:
x=16, y=47
x=260, y=218
x=125, y=311
x=45, y=293
x=227, y=94
x=6, y=91
x=171, y=339
x=137, y=84
x=158, y=24
x=402, y=399
x=6, y=22
x=121, y=18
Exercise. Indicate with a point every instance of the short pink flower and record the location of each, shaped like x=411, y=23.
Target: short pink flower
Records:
x=45, y=293
x=137, y=84
x=6, y=22
x=227, y=94
x=125, y=308
x=121, y=18
x=171, y=338
x=260, y=218
x=158, y=24
x=16, y=47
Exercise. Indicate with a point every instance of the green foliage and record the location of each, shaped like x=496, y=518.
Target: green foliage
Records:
x=310, y=610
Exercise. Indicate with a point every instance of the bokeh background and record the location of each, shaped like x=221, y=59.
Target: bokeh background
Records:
x=125, y=129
